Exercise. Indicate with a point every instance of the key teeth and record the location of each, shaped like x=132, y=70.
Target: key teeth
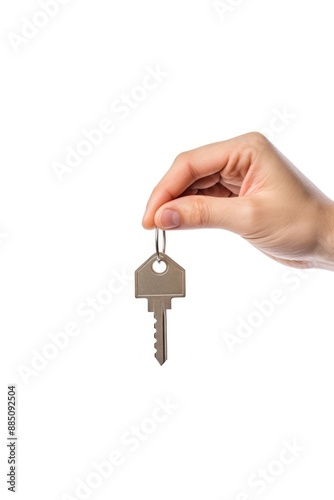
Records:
x=155, y=338
x=155, y=328
x=160, y=361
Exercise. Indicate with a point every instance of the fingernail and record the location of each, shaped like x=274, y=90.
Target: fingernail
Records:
x=169, y=219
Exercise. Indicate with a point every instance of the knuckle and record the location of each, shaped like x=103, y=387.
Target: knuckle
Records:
x=182, y=157
x=258, y=140
x=185, y=160
x=256, y=143
x=200, y=213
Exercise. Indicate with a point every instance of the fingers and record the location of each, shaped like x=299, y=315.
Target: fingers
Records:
x=198, y=211
x=216, y=190
x=206, y=182
x=232, y=158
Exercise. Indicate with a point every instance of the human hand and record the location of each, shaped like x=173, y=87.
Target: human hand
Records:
x=247, y=186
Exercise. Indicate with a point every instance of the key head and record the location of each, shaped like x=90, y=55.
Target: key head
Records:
x=169, y=283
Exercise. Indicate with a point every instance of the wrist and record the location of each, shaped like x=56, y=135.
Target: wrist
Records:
x=325, y=258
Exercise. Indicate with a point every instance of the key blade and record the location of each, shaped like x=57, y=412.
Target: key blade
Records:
x=160, y=335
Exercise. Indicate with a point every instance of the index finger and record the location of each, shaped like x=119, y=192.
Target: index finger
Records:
x=192, y=165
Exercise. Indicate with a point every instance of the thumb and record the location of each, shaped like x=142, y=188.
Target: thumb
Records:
x=196, y=211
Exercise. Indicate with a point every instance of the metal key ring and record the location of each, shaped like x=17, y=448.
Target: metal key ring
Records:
x=157, y=243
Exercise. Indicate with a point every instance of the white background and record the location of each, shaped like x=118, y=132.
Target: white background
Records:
x=62, y=241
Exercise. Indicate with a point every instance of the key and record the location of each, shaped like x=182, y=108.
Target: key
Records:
x=159, y=288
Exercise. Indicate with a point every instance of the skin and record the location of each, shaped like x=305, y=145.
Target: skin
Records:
x=247, y=186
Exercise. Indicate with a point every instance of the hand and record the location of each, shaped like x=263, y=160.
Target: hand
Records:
x=247, y=186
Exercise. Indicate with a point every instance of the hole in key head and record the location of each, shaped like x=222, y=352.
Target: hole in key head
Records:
x=159, y=267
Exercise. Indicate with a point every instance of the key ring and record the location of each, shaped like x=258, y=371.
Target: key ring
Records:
x=157, y=243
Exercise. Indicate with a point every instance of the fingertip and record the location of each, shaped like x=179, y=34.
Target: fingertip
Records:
x=146, y=223
x=145, y=220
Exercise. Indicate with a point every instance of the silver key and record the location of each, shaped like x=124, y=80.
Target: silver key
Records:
x=159, y=288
